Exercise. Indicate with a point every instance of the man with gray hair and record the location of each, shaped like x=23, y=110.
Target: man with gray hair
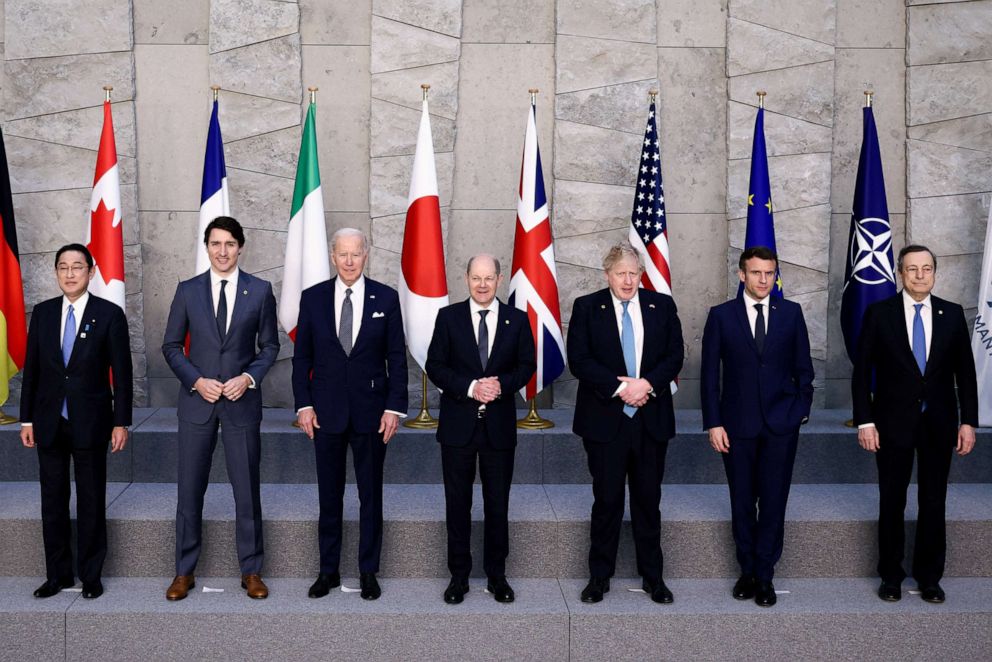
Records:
x=625, y=347
x=349, y=383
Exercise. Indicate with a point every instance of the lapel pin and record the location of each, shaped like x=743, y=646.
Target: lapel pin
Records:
x=940, y=312
x=82, y=335
x=603, y=306
x=506, y=321
x=245, y=292
x=371, y=296
x=650, y=305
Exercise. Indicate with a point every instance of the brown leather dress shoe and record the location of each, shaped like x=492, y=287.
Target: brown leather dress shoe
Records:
x=256, y=588
x=180, y=586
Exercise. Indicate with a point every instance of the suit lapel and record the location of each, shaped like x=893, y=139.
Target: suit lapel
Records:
x=207, y=304
x=239, y=295
x=469, y=327
x=740, y=312
x=649, y=320
x=901, y=335
x=82, y=320
x=939, y=329
x=774, y=324
x=502, y=321
x=606, y=317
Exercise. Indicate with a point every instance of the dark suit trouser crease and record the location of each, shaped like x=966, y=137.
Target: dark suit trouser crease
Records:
x=759, y=475
x=496, y=473
x=369, y=454
x=895, y=469
x=242, y=449
x=90, y=469
x=632, y=456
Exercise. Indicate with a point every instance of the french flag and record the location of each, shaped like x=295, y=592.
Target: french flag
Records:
x=214, y=200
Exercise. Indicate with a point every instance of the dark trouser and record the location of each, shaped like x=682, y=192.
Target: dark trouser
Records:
x=242, y=447
x=631, y=455
x=895, y=469
x=369, y=454
x=496, y=472
x=759, y=474
x=90, y=468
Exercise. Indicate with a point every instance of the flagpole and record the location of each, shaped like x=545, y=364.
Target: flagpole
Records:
x=761, y=98
x=107, y=90
x=216, y=90
x=313, y=94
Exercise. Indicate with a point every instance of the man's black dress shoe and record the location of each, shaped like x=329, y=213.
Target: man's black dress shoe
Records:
x=455, y=593
x=933, y=594
x=745, y=587
x=325, y=582
x=764, y=594
x=92, y=590
x=500, y=589
x=889, y=591
x=658, y=591
x=594, y=590
x=370, y=587
x=50, y=588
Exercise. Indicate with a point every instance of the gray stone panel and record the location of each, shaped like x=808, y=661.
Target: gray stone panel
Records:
x=42, y=166
x=871, y=24
x=586, y=62
x=264, y=250
x=49, y=219
x=237, y=23
x=800, y=180
x=574, y=281
x=51, y=85
x=587, y=250
x=508, y=22
x=970, y=132
x=948, y=91
x=79, y=128
x=399, y=46
x=952, y=224
x=783, y=134
x=815, y=311
x=260, y=200
x=692, y=23
x=268, y=69
x=590, y=154
x=185, y=22
x=621, y=107
x=473, y=231
x=272, y=153
x=443, y=16
x=393, y=130
x=389, y=182
x=958, y=278
x=38, y=277
x=244, y=115
x=814, y=19
x=799, y=280
x=582, y=207
x=61, y=27
x=804, y=92
x=944, y=170
x=621, y=20
x=777, y=50
x=402, y=87
x=956, y=32
x=338, y=23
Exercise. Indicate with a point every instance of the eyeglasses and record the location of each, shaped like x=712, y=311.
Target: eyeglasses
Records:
x=914, y=271
x=73, y=269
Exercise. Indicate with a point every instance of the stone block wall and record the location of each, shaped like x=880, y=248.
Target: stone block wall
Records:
x=593, y=61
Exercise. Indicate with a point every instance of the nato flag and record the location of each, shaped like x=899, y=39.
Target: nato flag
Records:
x=760, y=229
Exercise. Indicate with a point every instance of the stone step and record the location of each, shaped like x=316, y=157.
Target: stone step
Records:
x=828, y=453
x=836, y=619
x=830, y=531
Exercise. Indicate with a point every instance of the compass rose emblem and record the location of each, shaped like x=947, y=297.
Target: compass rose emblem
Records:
x=870, y=259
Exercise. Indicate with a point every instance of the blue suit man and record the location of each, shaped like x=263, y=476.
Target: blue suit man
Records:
x=754, y=411
x=349, y=383
x=230, y=319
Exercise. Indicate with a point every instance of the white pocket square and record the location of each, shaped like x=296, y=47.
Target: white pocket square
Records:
x=375, y=315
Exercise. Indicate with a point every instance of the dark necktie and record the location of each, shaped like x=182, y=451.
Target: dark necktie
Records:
x=483, y=339
x=222, y=312
x=347, y=321
x=759, y=327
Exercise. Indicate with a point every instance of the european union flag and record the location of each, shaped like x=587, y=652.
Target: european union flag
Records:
x=760, y=229
x=869, y=274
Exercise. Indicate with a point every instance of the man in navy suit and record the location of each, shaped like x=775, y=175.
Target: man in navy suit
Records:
x=230, y=317
x=753, y=412
x=70, y=409
x=913, y=350
x=349, y=383
x=625, y=348
x=481, y=353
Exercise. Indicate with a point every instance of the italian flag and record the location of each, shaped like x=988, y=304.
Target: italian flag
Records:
x=306, y=246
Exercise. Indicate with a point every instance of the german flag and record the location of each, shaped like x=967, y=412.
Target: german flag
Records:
x=13, y=327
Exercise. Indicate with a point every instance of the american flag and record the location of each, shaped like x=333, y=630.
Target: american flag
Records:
x=648, y=225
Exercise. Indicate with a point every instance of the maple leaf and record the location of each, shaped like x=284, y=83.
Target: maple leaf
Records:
x=107, y=243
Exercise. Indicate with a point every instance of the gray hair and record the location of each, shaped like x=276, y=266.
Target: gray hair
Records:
x=914, y=248
x=620, y=251
x=349, y=232
x=468, y=267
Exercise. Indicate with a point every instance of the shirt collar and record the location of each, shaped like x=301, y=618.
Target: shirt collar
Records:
x=909, y=302
x=78, y=306
x=618, y=304
x=230, y=278
x=475, y=307
x=750, y=301
x=357, y=288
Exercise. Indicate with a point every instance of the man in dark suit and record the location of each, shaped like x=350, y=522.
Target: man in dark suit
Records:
x=625, y=348
x=349, y=383
x=753, y=412
x=914, y=348
x=481, y=353
x=226, y=313
x=71, y=409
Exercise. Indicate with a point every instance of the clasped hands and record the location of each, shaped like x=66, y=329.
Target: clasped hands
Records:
x=636, y=392
x=486, y=389
x=211, y=390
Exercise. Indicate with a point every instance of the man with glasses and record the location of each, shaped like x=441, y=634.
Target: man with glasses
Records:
x=914, y=348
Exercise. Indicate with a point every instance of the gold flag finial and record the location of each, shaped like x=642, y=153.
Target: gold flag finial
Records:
x=653, y=96
x=313, y=94
x=533, y=95
x=761, y=98
x=107, y=89
x=425, y=87
x=869, y=95
x=216, y=91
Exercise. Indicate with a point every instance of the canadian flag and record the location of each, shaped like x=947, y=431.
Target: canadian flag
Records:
x=423, y=285
x=105, y=237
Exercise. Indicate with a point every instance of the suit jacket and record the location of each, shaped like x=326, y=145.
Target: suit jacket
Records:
x=595, y=357
x=773, y=388
x=358, y=387
x=894, y=403
x=453, y=362
x=94, y=406
x=253, y=322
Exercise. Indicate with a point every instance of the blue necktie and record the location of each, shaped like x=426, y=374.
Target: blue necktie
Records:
x=920, y=344
x=629, y=351
x=68, y=340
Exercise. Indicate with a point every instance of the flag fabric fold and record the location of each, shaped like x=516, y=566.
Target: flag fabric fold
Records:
x=533, y=277
x=13, y=324
x=214, y=200
x=423, y=285
x=760, y=230
x=869, y=275
x=306, y=261
x=105, y=234
x=981, y=340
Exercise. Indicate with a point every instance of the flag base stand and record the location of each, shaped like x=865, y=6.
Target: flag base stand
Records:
x=423, y=420
x=533, y=420
x=7, y=419
x=849, y=423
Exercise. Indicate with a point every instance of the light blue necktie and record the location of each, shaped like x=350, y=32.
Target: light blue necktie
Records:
x=629, y=351
x=68, y=340
x=920, y=344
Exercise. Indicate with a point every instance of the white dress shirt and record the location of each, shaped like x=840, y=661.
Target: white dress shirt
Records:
x=357, y=305
x=491, y=326
x=926, y=313
x=752, y=312
x=230, y=292
x=78, y=308
x=634, y=310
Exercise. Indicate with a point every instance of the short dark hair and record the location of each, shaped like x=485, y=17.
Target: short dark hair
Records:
x=914, y=248
x=760, y=252
x=78, y=248
x=228, y=223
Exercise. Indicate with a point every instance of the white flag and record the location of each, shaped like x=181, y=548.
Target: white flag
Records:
x=981, y=340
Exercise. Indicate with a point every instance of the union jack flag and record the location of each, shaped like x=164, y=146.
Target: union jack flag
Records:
x=533, y=278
